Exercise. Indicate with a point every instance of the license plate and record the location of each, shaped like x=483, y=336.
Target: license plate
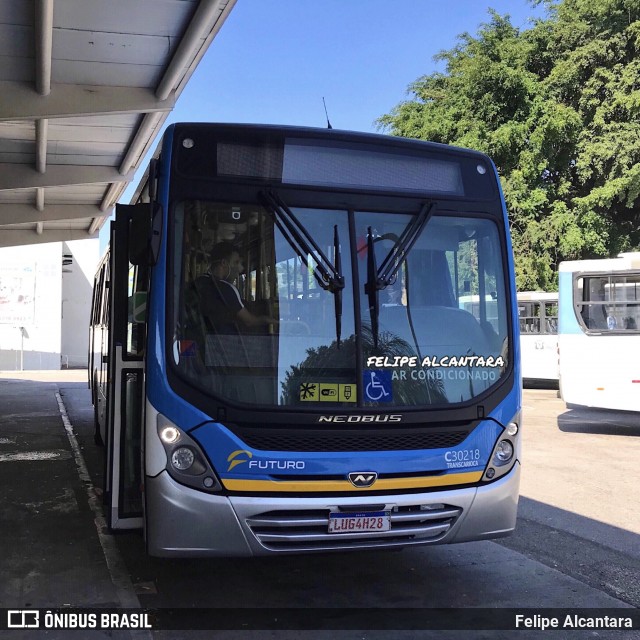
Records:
x=354, y=522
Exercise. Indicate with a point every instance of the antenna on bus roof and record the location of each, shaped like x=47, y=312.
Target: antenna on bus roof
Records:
x=326, y=114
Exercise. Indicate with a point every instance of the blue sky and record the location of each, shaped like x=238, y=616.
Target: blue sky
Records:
x=274, y=60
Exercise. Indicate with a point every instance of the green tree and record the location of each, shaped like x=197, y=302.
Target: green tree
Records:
x=557, y=107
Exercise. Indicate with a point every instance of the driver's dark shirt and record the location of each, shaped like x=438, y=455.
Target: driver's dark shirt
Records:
x=220, y=303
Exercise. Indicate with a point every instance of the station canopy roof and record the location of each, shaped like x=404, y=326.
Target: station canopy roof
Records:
x=85, y=87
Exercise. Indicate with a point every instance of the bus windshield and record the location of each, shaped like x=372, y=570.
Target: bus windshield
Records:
x=258, y=321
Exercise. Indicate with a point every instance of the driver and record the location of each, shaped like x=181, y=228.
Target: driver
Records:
x=220, y=299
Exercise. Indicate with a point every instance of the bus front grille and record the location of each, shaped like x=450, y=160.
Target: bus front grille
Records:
x=400, y=440
x=307, y=530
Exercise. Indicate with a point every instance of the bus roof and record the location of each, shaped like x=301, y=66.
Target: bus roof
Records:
x=624, y=262
x=530, y=296
x=327, y=134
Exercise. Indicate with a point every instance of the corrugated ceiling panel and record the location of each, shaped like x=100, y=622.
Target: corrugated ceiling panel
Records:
x=145, y=17
x=106, y=74
x=16, y=41
x=16, y=13
x=63, y=130
x=72, y=194
x=17, y=158
x=96, y=46
x=84, y=159
x=126, y=120
x=76, y=193
x=16, y=69
x=17, y=130
x=78, y=224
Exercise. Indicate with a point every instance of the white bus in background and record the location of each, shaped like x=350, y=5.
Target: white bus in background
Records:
x=538, y=314
x=598, y=338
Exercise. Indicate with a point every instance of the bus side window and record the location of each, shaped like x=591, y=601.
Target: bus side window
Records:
x=529, y=313
x=551, y=317
x=137, y=310
x=593, y=310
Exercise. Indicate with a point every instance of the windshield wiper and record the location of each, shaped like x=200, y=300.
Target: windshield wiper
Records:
x=337, y=294
x=329, y=276
x=371, y=288
x=380, y=278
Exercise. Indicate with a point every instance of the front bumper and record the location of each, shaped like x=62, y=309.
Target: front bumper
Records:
x=182, y=522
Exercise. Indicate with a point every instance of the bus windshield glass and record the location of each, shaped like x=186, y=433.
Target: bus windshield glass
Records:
x=257, y=321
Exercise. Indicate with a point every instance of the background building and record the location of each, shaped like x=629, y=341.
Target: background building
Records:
x=45, y=301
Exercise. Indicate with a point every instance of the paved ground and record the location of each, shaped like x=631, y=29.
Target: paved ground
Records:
x=57, y=553
x=558, y=467
x=49, y=535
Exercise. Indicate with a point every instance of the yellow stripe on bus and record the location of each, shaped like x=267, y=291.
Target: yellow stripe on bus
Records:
x=302, y=486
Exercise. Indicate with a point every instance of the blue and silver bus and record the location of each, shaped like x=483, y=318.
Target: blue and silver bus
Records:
x=599, y=335
x=289, y=366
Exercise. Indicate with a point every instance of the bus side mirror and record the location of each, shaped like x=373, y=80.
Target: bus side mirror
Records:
x=145, y=231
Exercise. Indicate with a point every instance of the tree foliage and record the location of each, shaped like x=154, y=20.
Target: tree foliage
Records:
x=557, y=107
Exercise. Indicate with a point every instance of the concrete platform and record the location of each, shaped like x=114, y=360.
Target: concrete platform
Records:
x=51, y=530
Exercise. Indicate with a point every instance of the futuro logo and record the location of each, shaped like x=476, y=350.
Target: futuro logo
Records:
x=233, y=459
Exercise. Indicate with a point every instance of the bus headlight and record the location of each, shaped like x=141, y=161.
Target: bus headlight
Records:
x=503, y=453
x=183, y=458
x=170, y=434
x=186, y=462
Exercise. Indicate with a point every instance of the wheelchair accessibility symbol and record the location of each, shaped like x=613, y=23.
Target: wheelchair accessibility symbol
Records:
x=377, y=386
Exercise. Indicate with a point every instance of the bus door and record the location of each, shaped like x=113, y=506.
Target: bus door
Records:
x=123, y=467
